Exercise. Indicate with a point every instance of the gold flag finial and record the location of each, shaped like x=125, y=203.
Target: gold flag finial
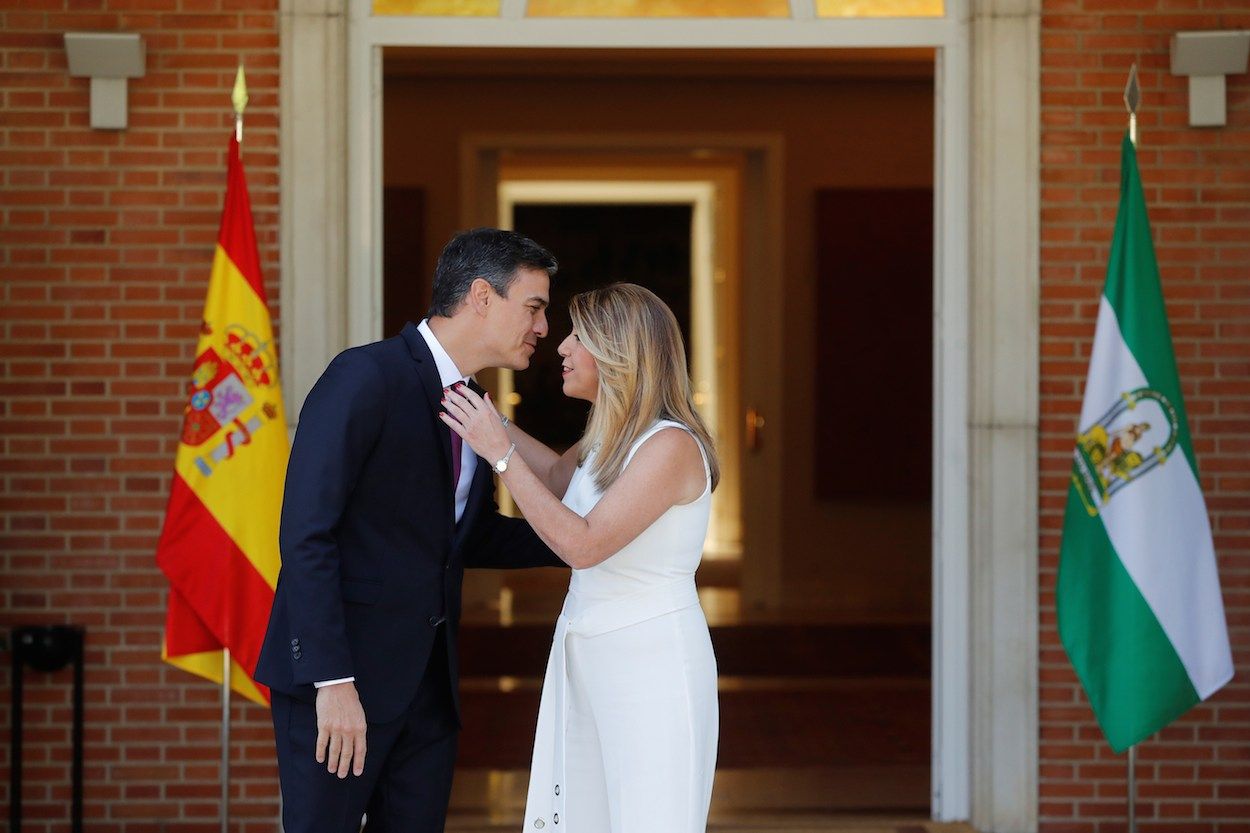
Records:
x=1132, y=100
x=239, y=97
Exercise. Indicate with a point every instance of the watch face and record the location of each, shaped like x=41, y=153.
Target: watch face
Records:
x=501, y=466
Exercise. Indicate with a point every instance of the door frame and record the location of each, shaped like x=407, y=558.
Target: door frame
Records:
x=986, y=307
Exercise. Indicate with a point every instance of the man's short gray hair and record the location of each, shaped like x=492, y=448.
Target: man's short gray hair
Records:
x=492, y=254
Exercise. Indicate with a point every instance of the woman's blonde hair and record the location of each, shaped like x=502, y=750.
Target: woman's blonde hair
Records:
x=641, y=357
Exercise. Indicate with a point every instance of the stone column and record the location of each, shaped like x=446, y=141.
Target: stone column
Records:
x=1003, y=414
x=313, y=165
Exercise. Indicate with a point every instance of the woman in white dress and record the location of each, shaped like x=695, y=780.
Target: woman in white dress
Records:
x=628, y=724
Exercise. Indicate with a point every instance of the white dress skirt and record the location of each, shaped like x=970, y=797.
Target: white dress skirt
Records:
x=628, y=722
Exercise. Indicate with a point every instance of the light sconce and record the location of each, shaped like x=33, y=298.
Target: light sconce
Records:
x=108, y=59
x=1206, y=57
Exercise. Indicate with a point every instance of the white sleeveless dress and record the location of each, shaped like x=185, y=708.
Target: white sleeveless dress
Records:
x=628, y=723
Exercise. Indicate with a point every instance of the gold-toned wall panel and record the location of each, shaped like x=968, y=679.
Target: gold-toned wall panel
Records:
x=880, y=8
x=658, y=8
x=437, y=8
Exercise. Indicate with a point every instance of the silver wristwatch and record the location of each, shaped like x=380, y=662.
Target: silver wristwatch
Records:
x=501, y=466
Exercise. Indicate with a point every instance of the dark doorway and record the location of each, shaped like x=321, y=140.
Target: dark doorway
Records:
x=874, y=272
x=405, y=281
x=597, y=244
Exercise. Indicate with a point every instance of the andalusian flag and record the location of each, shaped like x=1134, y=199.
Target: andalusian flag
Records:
x=219, y=546
x=1140, y=611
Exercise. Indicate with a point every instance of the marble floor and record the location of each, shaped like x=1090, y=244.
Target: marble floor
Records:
x=774, y=823
x=825, y=724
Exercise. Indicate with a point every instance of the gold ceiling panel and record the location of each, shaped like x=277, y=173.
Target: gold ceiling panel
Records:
x=622, y=9
x=879, y=8
x=658, y=8
x=437, y=8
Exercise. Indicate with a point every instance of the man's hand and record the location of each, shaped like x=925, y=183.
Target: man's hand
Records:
x=341, y=727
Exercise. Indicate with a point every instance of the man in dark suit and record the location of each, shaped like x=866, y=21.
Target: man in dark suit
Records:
x=383, y=509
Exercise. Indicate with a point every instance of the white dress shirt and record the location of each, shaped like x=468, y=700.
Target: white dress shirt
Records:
x=448, y=375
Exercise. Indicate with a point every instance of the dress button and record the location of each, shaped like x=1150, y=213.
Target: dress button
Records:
x=557, y=789
x=539, y=824
x=556, y=818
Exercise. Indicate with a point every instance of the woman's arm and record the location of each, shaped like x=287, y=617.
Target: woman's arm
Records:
x=667, y=470
x=554, y=470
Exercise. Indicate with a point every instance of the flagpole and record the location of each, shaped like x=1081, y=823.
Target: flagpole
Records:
x=1132, y=99
x=238, y=97
x=225, y=740
x=1132, y=789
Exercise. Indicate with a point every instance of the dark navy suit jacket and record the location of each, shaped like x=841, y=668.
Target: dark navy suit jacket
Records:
x=372, y=558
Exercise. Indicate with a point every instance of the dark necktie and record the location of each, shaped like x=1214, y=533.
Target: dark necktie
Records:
x=456, y=445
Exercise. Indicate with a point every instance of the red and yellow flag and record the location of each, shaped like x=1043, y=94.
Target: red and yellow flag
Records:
x=219, y=546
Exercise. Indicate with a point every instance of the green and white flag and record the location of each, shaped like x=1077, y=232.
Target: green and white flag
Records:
x=1138, y=596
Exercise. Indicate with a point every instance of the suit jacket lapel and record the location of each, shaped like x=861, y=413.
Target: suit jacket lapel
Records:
x=427, y=372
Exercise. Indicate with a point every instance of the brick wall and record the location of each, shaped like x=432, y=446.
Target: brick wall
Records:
x=107, y=239
x=1195, y=776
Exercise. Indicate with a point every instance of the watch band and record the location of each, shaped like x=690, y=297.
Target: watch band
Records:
x=502, y=464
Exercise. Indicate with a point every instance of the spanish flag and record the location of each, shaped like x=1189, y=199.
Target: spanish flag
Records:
x=219, y=545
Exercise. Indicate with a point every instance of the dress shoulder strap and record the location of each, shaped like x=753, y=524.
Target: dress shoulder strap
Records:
x=660, y=425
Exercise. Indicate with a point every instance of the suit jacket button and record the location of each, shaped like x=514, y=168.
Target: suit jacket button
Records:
x=297, y=653
x=435, y=621
x=294, y=643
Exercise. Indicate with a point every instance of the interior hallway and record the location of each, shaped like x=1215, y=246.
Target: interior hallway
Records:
x=820, y=608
